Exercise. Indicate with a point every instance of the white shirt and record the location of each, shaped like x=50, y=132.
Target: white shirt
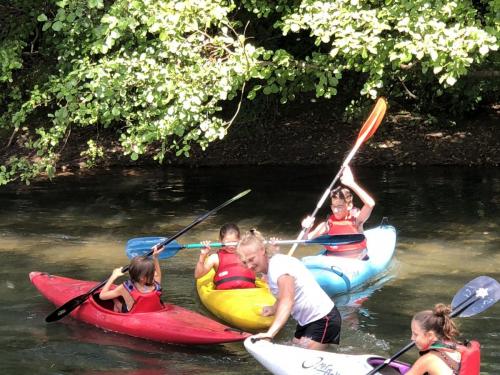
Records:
x=311, y=302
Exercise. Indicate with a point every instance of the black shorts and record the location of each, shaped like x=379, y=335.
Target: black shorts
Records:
x=325, y=330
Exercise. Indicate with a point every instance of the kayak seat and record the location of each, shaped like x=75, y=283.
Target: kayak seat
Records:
x=107, y=304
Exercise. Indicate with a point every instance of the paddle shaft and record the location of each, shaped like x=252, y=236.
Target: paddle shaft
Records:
x=456, y=311
x=373, y=121
x=140, y=245
x=326, y=241
x=72, y=304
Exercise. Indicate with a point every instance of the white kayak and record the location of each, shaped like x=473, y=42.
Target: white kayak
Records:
x=338, y=275
x=292, y=360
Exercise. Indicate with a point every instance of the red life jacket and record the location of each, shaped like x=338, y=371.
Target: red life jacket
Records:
x=144, y=302
x=346, y=225
x=470, y=358
x=470, y=362
x=231, y=273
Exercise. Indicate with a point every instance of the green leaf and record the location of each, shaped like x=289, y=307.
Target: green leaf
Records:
x=57, y=26
x=46, y=26
x=168, y=68
x=451, y=80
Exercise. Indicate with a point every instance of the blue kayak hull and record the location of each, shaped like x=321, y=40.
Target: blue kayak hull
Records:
x=338, y=275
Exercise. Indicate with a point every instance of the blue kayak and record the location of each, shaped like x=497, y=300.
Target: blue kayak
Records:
x=338, y=275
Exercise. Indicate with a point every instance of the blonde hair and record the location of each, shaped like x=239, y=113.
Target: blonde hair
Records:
x=439, y=321
x=254, y=237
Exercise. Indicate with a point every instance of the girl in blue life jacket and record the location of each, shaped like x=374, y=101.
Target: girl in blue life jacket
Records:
x=434, y=334
x=142, y=292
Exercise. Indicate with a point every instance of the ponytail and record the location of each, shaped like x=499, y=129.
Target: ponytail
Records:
x=438, y=320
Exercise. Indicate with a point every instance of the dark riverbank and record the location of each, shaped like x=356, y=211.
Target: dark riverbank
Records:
x=318, y=137
x=401, y=139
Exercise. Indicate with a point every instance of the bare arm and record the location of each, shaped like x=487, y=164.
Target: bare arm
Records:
x=320, y=229
x=156, y=262
x=368, y=203
x=106, y=292
x=204, y=265
x=283, y=305
x=422, y=365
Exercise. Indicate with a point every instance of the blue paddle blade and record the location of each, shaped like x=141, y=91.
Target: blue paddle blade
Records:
x=143, y=245
x=476, y=296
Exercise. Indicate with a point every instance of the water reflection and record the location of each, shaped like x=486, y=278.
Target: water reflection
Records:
x=448, y=233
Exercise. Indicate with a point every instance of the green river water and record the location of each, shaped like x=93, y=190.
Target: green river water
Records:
x=448, y=233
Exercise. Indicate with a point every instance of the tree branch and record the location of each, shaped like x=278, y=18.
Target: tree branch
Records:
x=410, y=94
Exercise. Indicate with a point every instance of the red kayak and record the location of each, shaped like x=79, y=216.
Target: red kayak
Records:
x=172, y=324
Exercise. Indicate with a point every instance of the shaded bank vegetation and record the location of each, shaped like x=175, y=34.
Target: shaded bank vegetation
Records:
x=89, y=82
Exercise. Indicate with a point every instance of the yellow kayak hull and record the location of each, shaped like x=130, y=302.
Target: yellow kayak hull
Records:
x=240, y=308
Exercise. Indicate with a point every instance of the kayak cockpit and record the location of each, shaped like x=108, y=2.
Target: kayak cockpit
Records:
x=108, y=306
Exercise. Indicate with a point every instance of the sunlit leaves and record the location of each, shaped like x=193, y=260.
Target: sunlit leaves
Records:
x=151, y=66
x=444, y=36
x=160, y=71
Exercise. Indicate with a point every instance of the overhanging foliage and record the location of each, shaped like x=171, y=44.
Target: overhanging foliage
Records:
x=160, y=72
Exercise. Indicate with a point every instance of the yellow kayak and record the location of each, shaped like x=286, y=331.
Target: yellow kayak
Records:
x=240, y=308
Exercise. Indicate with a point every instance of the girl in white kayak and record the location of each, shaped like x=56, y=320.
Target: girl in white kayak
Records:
x=142, y=292
x=345, y=218
x=230, y=273
x=434, y=334
x=296, y=292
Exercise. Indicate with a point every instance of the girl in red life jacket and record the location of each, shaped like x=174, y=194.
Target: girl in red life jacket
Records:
x=434, y=334
x=230, y=273
x=142, y=292
x=345, y=218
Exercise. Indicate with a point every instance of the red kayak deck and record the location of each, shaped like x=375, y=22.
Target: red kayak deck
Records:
x=172, y=324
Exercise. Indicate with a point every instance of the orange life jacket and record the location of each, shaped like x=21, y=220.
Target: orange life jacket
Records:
x=346, y=225
x=231, y=273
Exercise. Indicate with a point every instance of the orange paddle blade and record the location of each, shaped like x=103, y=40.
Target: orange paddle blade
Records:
x=373, y=121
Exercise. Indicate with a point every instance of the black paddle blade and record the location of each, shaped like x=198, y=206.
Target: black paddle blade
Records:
x=72, y=304
x=67, y=308
x=202, y=217
x=337, y=239
x=476, y=296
